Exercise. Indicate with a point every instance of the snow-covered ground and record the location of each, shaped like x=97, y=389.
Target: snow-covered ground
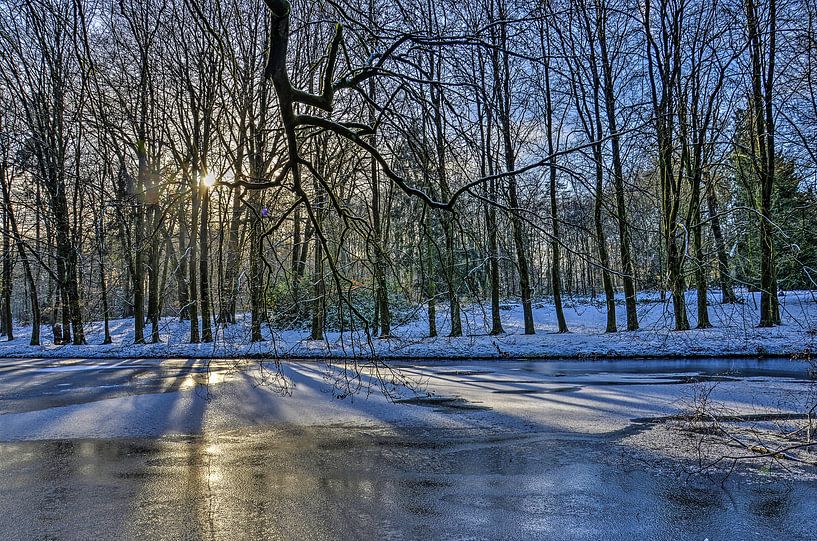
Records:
x=734, y=333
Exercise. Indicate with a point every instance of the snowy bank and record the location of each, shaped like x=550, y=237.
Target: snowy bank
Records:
x=734, y=333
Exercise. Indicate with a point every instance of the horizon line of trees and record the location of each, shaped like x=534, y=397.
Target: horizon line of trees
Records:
x=332, y=164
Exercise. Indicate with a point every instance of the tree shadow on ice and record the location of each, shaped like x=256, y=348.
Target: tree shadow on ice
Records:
x=131, y=399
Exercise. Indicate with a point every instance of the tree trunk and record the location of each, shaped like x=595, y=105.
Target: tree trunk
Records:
x=230, y=289
x=204, y=268
x=21, y=250
x=182, y=265
x=103, y=286
x=763, y=64
x=628, y=269
x=502, y=76
x=256, y=275
x=8, y=322
x=724, y=276
x=153, y=272
x=318, y=294
x=449, y=263
x=697, y=245
x=601, y=241
x=555, y=248
x=193, y=262
x=493, y=258
x=295, y=262
x=428, y=273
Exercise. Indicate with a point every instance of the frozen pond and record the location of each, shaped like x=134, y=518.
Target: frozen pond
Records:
x=488, y=450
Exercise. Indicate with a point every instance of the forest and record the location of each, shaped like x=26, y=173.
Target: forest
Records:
x=343, y=165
